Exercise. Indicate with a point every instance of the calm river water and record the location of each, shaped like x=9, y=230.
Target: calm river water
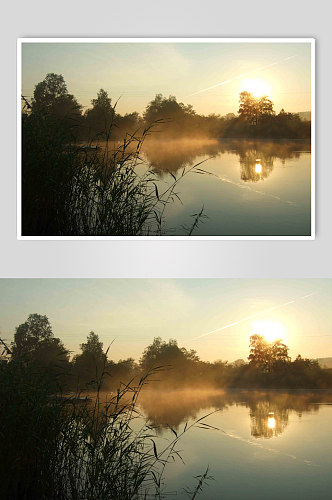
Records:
x=257, y=188
x=270, y=445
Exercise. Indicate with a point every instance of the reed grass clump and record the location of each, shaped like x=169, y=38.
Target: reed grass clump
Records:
x=75, y=188
x=54, y=447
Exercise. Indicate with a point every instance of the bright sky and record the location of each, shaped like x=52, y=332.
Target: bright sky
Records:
x=138, y=71
x=134, y=311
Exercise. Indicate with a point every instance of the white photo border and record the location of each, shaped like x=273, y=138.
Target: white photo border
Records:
x=20, y=41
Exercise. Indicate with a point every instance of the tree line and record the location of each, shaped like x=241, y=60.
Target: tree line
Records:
x=256, y=116
x=268, y=365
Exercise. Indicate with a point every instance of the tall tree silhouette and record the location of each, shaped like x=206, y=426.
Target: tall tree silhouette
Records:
x=51, y=96
x=254, y=108
x=92, y=360
x=267, y=355
x=34, y=341
x=101, y=116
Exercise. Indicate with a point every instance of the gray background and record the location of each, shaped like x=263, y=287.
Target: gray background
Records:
x=242, y=259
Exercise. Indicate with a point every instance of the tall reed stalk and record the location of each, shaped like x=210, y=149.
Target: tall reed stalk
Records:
x=53, y=448
x=75, y=189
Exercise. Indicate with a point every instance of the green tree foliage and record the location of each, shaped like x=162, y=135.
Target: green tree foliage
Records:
x=102, y=102
x=161, y=108
x=124, y=371
x=304, y=372
x=269, y=364
x=179, y=118
x=229, y=116
x=254, y=109
x=100, y=117
x=133, y=117
x=34, y=341
x=93, y=347
x=51, y=97
x=28, y=335
x=49, y=124
x=128, y=124
x=238, y=363
x=90, y=364
x=290, y=125
x=177, y=364
x=163, y=353
x=267, y=356
x=128, y=364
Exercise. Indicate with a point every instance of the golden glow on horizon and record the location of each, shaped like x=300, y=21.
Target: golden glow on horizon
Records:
x=269, y=329
x=271, y=423
x=256, y=87
x=258, y=168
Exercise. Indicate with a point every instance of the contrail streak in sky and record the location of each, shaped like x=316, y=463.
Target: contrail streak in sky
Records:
x=291, y=57
x=240, y=76
x=249, y=317
x=308, y=295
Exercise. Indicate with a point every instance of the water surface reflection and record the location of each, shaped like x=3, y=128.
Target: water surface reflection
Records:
x=257, y=188
x=256, y=158
x=268, y=411
x=268, y=441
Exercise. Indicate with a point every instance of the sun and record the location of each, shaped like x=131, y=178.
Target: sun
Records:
x=269, y=329
x=256, y=87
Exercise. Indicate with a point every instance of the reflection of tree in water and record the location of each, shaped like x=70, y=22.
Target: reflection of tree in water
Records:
x=256, y=159
x=268, y=420
x=174, y=155
x=171, y=156
x=271, y=149
x=269, y=411
x=173, y=408
x=255, y=167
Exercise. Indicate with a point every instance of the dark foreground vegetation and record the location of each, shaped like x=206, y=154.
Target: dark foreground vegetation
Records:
x=87, y=444
x=73, y=190
x=55, y=445
x=79, y=169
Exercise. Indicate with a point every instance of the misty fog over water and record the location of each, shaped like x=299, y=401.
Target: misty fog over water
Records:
x=270, y=444
x=256, y=188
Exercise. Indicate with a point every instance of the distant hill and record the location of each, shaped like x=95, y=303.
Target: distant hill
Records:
x=325, y=362
x=305, y=115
